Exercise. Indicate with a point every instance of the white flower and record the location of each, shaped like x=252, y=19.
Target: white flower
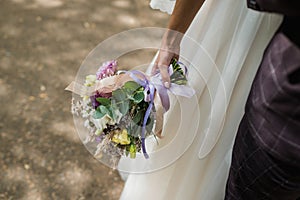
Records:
x=86, y=123
x=90, y=80
x=118, y=115
x=98, y=132
x=85, y=114
x=86, y=99
x=102, y=122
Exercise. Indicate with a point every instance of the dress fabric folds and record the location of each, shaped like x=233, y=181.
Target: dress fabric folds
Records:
x=230, y=42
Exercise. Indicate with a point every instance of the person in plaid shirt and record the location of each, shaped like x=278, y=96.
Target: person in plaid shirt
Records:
x=266, y=154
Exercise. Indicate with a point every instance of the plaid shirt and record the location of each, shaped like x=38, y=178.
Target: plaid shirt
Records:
x=273, y=106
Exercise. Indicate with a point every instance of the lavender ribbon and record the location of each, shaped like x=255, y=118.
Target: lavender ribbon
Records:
x=150, y=86
x=178, y=90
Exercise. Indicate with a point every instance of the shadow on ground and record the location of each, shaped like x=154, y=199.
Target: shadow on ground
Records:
x=42, y=44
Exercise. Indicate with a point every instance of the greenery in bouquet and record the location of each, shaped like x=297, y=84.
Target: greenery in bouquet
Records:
x=119, y=120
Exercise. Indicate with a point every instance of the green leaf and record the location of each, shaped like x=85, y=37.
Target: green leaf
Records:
x=131, y=85
x=103, y=101
x=176, y=66
x=138, y=117
x=123, y=107
x=135, y=130
x=113, y=109
x=111, y=113
x=120, y=100
x=150, y=124
x=178, y=75
x=138, y=97
x=103, y=109
x=98, y=115
x=119, y=95
x=178, y=78
x=127, y=150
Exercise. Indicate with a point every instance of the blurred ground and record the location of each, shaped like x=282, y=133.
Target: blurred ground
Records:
x=42, y=44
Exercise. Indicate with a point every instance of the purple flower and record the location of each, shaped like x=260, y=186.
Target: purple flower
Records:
x=100, y=138
x=107, y=69
x=94, y=101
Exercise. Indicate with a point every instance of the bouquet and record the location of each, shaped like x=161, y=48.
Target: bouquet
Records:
x=122, y=108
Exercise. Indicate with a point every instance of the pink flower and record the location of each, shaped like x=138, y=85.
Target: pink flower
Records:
x=107, y=69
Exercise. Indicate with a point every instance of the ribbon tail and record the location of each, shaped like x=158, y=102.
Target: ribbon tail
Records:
x=144, y=149
x=164, y=97
x=147, y=114
x=182, y=90
x=159, y=112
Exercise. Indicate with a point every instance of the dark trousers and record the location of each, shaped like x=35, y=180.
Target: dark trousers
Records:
x=255, y=174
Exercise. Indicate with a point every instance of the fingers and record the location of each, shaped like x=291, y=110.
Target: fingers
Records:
x=155, y=69
x=164, y=72
x=162, y=68
x=162, y=65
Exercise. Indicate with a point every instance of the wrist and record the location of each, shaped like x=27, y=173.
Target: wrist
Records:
x=172, y=39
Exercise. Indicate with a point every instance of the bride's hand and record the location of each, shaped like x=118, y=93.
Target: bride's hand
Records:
x=169, y=49
x=162, y=64
x=181, y=18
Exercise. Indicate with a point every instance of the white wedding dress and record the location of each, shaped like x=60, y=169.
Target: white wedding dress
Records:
x=233, y=38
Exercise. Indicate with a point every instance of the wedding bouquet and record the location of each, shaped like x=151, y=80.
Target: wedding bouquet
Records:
x=122, y=108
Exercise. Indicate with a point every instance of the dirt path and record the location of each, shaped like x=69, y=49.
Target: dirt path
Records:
x=42, y=44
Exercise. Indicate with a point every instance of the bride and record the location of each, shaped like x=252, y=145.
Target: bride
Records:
x=230, y=41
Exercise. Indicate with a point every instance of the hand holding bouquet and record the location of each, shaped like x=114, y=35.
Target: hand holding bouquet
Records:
x=122, y=108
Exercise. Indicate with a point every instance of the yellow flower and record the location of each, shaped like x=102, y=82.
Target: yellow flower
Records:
x=121, y=137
